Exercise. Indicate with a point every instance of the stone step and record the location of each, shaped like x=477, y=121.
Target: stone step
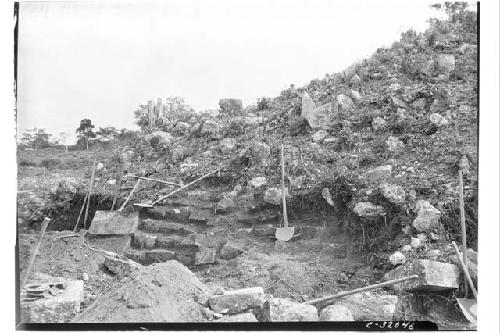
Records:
x=144, y=240
x=166, y=227
x=149, y=257
x=171, y=213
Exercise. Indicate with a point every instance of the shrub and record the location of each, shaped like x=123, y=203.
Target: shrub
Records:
x=50, y=163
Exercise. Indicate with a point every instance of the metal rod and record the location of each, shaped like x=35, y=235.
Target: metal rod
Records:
x=130, y=194
x=462, y=221
x=360, y=290
x=464, y=268
x=45, y=223
x=89, y=196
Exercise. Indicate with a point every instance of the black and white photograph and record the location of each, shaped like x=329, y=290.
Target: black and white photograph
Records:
x=250, y=165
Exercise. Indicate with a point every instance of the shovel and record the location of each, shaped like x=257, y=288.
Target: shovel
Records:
x=467, y=305
x=285, y=233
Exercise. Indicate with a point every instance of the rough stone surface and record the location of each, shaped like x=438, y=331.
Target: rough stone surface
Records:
x=231, y=106
x=378, y=124
x=57, y=307
x=159, y=139
x=380, y=172
x=319, y=135
x=230, y=251
x=399, y=103
x=471, y=263
x=397, y=258
x=367, y=209
x=336, y=313
x=445, y=63
x=393, y=193
x=204, y=256
x=210, y=127
x=113, y=223
x=258, y=182
x=345, y=102
x=121, y=267
x=236, y=302
x=433, y=276
x=371, y=306
x=438, y=120
x=394, y=144
x=273, y=196
x=279, y=309
x=227, y=145
x=356, y=96
x=427, y=216
x=239, y=318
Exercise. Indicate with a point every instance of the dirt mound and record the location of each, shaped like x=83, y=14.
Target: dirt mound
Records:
x=163, y=292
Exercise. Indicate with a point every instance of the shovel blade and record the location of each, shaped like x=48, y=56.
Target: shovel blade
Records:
x=285, y=234
x=469, y=308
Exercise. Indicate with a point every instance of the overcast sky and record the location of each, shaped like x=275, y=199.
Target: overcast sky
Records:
x=100, y=60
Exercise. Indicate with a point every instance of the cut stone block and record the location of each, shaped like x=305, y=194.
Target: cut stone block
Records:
x=370, y=306
x=160, y=255
x=204, y=256
x=279, y=309
x=59, y=308
x=433, y=276
x=113, y=223
x=239, y=318
x=236, y=302
x=116, y=244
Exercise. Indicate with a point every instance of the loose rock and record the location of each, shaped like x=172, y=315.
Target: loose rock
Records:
x=336, y=313
x=279, y=309
x=380, y=172
x=427, y=216
x=367, y=209
x=393, y=193
x=433, y=276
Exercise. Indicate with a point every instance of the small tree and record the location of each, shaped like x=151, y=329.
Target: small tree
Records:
x=36, y=138
x=85, y=132
x=63, y=137
x=106, y=133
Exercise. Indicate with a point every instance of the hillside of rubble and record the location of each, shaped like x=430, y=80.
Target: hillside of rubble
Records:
x=371, y=160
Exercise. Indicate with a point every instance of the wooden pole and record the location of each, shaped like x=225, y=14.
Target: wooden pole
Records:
x=466, y=271
x=462, y=222
x=360, y=290
x=130, y=194
x=185, y=186
x=156, y=180
x=283, y=194
x=45, y=223
x=89, y=195
x=81, y=211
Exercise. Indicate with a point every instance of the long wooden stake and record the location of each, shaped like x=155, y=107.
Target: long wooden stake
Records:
x=89, y=196
x=360, y=290
x=185, y=186
x=466, y=271
x=81, y=211
x=130, y=194
x=157, y=180
x=462, y=221
x=283, y=194
x=45, y=223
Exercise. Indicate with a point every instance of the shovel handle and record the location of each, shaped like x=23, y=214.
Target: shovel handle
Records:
x=464, y=268
x=283, y=194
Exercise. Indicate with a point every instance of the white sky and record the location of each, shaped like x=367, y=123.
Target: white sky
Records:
x=100, y=60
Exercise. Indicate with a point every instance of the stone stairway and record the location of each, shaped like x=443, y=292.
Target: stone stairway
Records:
x=177, y=230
